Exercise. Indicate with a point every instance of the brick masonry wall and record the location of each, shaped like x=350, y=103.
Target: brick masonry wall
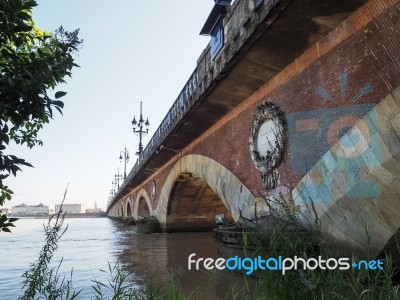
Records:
x=347, y=81
x=346, y=73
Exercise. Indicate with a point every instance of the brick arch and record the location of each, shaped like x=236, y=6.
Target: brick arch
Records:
x=118, y=210
x=142, y=196
x=193, y=205
x=233, y=193
x=128, y=208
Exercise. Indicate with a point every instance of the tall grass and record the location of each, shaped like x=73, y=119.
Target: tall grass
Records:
x=44, y=282
x=41, y=280
x=289, y=238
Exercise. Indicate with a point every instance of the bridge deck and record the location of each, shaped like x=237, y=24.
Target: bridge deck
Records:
x=262, y=37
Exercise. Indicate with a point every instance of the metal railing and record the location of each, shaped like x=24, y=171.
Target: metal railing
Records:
x=178, y=109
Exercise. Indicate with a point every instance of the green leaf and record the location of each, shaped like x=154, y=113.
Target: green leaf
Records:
x=58, y=103
x=26, y=164
x=27, y=72
x=4, y=52
x=60, y=94
x=11, y=81
x=18, y=41
x=5, y=229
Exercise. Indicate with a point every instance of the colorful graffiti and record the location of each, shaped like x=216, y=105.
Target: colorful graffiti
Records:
x=336, y=146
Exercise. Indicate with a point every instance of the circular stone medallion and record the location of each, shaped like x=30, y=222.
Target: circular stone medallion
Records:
x=267, y=139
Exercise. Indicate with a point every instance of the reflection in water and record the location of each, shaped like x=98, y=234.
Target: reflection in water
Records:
x=155, y=256
x=89, y=244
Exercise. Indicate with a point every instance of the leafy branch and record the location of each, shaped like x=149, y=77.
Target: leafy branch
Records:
x=5, y=223
x=32, y=63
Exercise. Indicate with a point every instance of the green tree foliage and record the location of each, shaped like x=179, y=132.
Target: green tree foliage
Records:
x=32, y=63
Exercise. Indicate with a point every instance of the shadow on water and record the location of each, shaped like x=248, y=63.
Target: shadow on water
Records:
x=155, y=256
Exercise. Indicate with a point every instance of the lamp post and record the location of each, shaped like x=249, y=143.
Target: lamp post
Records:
x=140, y=131
x=126, y=159
x=112, y=188
x=118, y=177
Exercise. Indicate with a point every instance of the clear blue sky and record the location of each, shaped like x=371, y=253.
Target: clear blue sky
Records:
x=133, y=51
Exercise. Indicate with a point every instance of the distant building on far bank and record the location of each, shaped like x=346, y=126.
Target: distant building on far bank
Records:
x=94, y=210
x=70, y=208
x=30, y=210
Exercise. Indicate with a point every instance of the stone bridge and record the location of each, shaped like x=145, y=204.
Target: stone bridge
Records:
x=295, y=100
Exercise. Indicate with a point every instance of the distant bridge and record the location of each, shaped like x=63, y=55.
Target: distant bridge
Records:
x=293, y=98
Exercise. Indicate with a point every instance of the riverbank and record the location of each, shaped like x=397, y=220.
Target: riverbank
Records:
x=67, y=215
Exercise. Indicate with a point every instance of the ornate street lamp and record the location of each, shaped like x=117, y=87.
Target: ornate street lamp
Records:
x=140, y=131
x=113, y=188
x=125, y=156
x=110, y=197
x=118, y=177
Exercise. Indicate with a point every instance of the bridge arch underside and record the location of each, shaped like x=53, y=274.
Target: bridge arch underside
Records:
x=143, y=207
x=195, y=190
x=143, y=210
x=128, y=209
x=193, y=205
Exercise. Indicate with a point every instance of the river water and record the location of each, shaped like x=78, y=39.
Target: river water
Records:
x=89, y=245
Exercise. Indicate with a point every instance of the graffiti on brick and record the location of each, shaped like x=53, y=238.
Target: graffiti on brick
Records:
x=335, y=154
